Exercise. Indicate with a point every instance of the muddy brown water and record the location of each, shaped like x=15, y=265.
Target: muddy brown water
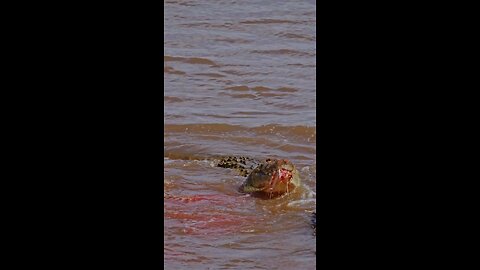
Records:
x=239, y=80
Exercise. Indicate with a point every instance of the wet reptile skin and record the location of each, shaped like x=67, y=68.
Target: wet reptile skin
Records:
x=243, y=165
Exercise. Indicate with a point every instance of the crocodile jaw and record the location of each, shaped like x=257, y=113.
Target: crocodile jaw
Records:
x=281, y=177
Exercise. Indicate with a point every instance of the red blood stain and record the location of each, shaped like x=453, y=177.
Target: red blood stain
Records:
x=200, y=214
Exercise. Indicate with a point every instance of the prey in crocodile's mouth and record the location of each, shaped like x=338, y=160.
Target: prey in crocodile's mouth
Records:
x=273, y=178
x=281, y=175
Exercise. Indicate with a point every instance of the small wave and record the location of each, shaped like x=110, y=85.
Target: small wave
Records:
x=268, y=21
x=295, y=36
x=239, y=88
x=171, y=99
x=270, y=94
x=263, y=129
x=262, y=89
x=247, y=96
x=213, y=75
x=189, y=60
x=284, y=52
x=303, y=202
x=303, y=132
x=171, y=70
x=287, y=89
x=233, y=40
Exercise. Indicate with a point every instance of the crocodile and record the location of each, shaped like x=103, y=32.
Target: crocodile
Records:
x=272, y=177
x=269, y=178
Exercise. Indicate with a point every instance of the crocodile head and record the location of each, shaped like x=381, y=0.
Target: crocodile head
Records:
x=273, y=177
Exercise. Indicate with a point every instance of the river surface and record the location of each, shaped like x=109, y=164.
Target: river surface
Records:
x=239, y=80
